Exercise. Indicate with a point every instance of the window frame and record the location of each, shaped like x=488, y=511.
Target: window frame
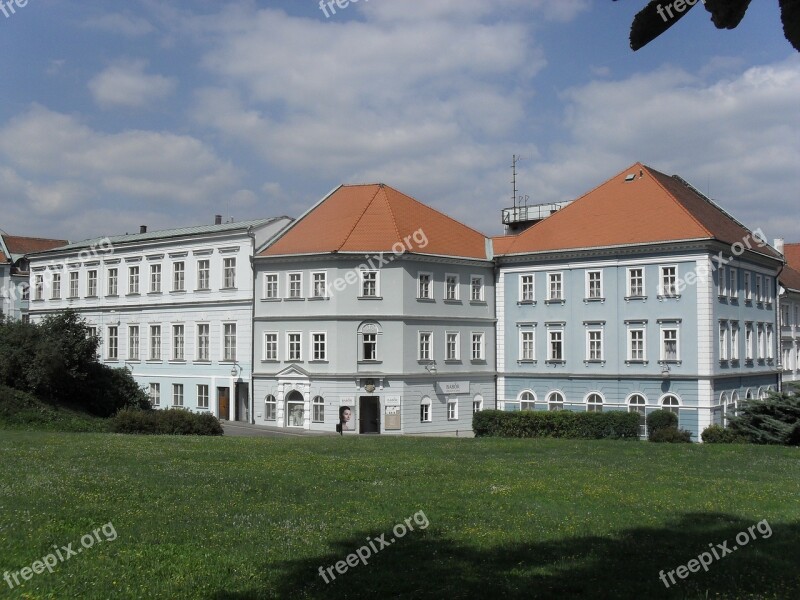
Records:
x=642, y=289
x=428, y=295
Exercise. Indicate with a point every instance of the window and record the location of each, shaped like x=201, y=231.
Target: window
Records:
x=229, y=341
x=370, y=346
x=202, y=396
x=369, y=284
x=26, y=292
x=748, y=292
x=722, y=281
x=452, y=409
x=318, y=409
x=294, y=346
x=768, y=290
x=177, y=342
x=670, y=403
x=38, y=291
x=112, y=282
x=636, y=282
x=748, y=341
x=203, y=342
x=425, y=410
x=476, y=289
x=452, y=346
x=555, y=289
x=477, y=404
x=270, y=408
x=155, y=342
x=133, y=342
x=177, y=394
x=295, y=285
x=271, y=286
x=478, y=346
x=91, y=283
x=203, y=274
x=56, y=291
x=759, y=292
x=526, y=291
x=669, y=276
x=527, y=401
x=425, y=345
x=424, y=286
x=179, y=277
x=636, y=404
x=594, y=285
x=527, y=347
x=761, y=345
x=636, y=345
x=319, y=345
x=229, y=273
x=451, y=287
x=735, y=340
x=669, y=344
x=594, y=403
x=723, y=340
x=770, y=343
x=785, y=315
x=555, y=401
x=733, y=282
x=155, y=279
x=271, y=346
x=594, y=345
x=555, y=347
x=113, y=343
x=320, y=285
x=74, y=282
x=133, y=280
x=155, y=394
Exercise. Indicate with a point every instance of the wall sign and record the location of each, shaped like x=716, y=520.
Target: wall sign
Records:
x=453, y=387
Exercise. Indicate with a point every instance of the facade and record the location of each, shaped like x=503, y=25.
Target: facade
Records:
x=174, y=307
x=642, y=294
x=790, y=311
x=375, y=312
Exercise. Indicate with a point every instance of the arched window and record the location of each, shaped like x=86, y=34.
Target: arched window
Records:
x=637, y=403
x=527, y=401
x=295, y=409
x=477, y=404
x=555, y=401
x=594, y=403
x=425, y=410
x=368, y=333
x=270, y=408
x=318, y=409
x=671, y=403
x=748, y=395
x=731, y=407
x=718, y=412
x=762, y=393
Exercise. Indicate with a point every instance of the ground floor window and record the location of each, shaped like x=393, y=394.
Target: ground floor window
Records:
x=477, y=404
x=202, y=396
x=318, y=407
x=425, y=410
x=555, y=401
x=155, y=394
x=452, y=410
x=636, y=404
x=270, y=408
x=671, y=404
x=177, y=394
x=594, y=403
x=527, y=401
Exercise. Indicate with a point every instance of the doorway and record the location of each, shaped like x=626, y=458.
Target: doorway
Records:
x=224, y=403
x=369, y=420
x=242, y=402
x=295, y=409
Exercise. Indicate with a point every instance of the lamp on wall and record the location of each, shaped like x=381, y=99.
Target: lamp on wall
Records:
x=431, y=368
x=236, y=369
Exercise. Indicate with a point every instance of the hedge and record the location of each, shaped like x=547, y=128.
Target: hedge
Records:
x=716, y=434
x=661, y=419
x=672, y=435
x=613, y=424
x=173, y=421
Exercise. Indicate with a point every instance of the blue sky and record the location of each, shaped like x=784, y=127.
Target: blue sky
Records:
x=116, y=114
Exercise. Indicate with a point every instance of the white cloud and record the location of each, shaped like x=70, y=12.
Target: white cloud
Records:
x=122, y=23
x=126, y=84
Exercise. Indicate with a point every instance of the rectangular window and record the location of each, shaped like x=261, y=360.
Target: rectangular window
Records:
x=526, y=291
x=295, y=285
x=555, y=346
x=155, y=394
x=425, y=345
x=476, y=289
x=293, y=345
x=636, y=345
x=229, y=273
x=155, y=279
x=761, y=345
x=74, y=284
x=722, y=281
x=26, y=292
x=38, y=290
x=759, y=292
x=320, y=285
x=770, y=343
x=594, y=344
x=478, y=346
x=425, y=413
x=229, y=342
x=527, y=348
x=91, y=283
x=56, y=291
x=555, y=289
x=133, y=280
x=768, y=290
x=203, y=342
x=319, y=345
x=452, y=346
x=424, y=286
x=636, y=282
x=785, y=315
x=723, y=340
x=669, y=279
x=735, y=341
x=177, y=394
x=669, y=344
x=202, y=396
x=133, y=342
x=203, y=274
x=271, y=409
x=748, y=292
x=113, y=343
x=177, y=342
x=370, y=346
x=179, y=277
x=155, y=342
x=112, y=282
x=369, y=284
x=271, y=346
x=318, y=410
x=748, y=341
x=451, y=287
x=270, y=286
x=594, y=285
x=733, y=282
x=452, y=410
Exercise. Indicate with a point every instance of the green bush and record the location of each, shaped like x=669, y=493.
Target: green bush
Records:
x=173, y=421
x=717, y=434
x=774, y=420
x=672, y=435
x=661, y=419
x=613, y=424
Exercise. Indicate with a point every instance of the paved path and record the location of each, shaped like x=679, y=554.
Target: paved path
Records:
x=237, y=429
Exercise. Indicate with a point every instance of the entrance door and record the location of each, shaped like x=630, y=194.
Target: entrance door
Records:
x=224, y=402
x=295, y=409
x=242, y=401
x=369, y=420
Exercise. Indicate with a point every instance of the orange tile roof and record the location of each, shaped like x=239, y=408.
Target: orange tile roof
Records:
x=792, y=254
x=650, y=208
x=28, y=245
x=502, y=243
x=3, y=258
x=790, y=276
x=375, y=218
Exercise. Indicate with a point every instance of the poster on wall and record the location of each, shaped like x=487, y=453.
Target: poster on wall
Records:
x=391, y=419
x=347, y=414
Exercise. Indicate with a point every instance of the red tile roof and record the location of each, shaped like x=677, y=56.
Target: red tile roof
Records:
x=3, y=258
x=637, y=206
x=790, y=276
x=377, y=218
x=28, y=245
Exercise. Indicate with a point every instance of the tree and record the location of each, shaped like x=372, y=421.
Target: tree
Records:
x=774, y=420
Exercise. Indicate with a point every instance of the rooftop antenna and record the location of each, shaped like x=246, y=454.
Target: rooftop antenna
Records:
x=522, y=199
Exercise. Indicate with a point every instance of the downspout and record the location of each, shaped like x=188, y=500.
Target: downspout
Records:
x=252, y=237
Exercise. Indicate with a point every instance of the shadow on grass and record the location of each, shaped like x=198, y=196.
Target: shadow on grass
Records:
x=425, y=565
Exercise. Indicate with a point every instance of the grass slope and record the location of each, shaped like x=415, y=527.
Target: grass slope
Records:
x=237, y=518
x=23, y=411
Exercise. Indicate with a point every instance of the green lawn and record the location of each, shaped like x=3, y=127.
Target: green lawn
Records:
x=240, y=518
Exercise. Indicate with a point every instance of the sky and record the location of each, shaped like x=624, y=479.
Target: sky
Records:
x=119, y=114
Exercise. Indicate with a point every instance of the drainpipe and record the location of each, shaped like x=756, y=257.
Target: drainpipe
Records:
x=252, y=237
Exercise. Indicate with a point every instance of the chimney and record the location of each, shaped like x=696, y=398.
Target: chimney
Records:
x=142, y=228
x=778, y=245
x=217, y=219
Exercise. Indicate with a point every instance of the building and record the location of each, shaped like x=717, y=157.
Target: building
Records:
x=175, y=307
x=377, y=312
x=641, y=295
x=14, y=271
x=790, y=311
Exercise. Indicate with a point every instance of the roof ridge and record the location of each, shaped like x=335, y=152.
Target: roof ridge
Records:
x=358, y=220
x=391, y=211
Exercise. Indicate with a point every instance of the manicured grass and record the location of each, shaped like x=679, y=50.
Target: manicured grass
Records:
x=22, y=411
x=254, y=518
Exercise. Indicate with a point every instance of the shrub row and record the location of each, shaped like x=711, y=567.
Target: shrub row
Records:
x=717, y=434
x=672, y=435
x=173, y=421
x=614, y=424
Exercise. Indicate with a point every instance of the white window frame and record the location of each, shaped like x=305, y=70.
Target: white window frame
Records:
x=113, y=282
x=668, y=290
x=270, y=408
x=747, y=279
x=55, y=292
x=630, y=289
x=480, y=337
x=91, y=283
x=723, y=341
x=318, y=409
x=155, y=279
x=452, y=409
x=178, y=342
x=550, y=340
x=480, y=289
x=525, y=332
x=229, y=273
x=589, y=332
x=552, y=278
x=155, y=348
x=133, y=342
x=74, y=284
x=733, y=281
x=294, y=285
x=639, y=328
x=232, y=356
x=558, y=404
x=428, y=354
x=525, y=286
x=363, y=280
x=662, y=337
x=456, y=296
x=177, y=394
x=749, y=334
x=202, y=396
x=323, y=344
x=154, y=394
x=203, y=342
x=319, y=284
x=203, y=274
x=179, y=276
x=271, y=280
x=455, y=337
x=271, y=339
x=373, y=341
x=527, y=397
x=425, y=410
x=292, y=338
x=591, y=294
x=597, y=405
x=722, y=281
x=428, y=295
x=113, y=348
x=133, y=279
x=734, y=326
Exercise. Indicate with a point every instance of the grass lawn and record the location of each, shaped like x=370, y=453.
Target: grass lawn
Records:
x=237, y=518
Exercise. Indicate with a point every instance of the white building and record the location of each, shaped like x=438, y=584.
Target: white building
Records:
x=790, y=311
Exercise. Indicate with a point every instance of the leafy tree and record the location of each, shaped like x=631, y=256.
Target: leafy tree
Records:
x=774, y=420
